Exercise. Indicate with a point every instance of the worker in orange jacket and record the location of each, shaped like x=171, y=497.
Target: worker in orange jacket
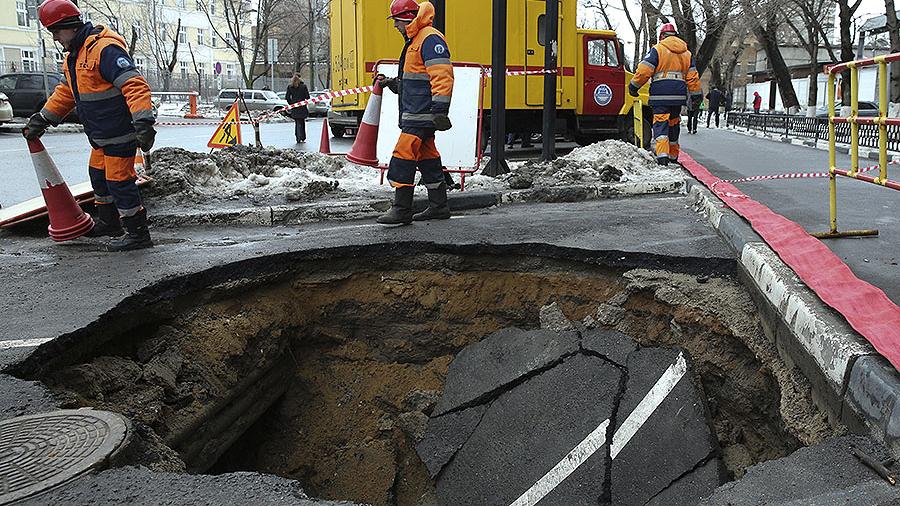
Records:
x=674, y=80
x=112, y=100
x=424, y=86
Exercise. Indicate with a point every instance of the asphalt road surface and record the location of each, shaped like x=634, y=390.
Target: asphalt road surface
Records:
x=731, y=155
x=71, y=151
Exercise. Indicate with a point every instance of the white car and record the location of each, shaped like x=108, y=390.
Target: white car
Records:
x=6, y=110
x=256, y=100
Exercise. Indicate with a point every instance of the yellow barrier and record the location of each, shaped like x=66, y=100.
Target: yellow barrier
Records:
x=638, y=112
x=854, y=120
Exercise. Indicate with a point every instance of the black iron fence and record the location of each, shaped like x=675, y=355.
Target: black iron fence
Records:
x=812, y=128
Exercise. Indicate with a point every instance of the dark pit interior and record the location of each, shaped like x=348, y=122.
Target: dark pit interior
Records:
x=325, y=369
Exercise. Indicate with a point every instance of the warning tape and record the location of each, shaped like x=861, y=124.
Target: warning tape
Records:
x=325, y=97
x=795, y=175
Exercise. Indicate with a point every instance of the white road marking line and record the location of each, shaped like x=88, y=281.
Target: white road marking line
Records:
x=664, y=385
x=24, y=343
x=565, y=467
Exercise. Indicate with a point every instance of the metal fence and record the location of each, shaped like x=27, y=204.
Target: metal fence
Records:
x=811, y=128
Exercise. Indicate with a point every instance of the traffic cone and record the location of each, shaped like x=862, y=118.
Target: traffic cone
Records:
x=364, y=150
x=67, y=220
x=325, y=142
x=139, y=161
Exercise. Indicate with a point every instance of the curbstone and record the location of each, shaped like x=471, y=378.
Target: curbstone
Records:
x=873, y=393
x=732, y=228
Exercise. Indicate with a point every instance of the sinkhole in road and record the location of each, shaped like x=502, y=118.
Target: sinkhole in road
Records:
x=326, y=371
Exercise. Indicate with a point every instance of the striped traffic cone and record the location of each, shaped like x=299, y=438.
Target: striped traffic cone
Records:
x=324, y=141
x=364, y=150
x=67, y=220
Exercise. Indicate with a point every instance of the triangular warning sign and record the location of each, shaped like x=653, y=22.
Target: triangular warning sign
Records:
x=229, y=131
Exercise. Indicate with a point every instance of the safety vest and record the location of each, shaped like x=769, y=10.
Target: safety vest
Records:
x=426, y=83
x=670, y=69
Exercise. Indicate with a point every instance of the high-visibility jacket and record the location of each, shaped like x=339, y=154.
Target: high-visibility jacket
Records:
x=103, y=86
x=670, y=68
x=426, y=83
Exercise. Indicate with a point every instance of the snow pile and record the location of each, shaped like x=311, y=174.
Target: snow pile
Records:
x=609, y=161
x=263, y=175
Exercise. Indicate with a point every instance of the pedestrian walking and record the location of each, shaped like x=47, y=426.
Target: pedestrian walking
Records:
x=674, y=81
x=296, y=92
x=729, y=103
x=424, y=86
x=715, y=98
x=693, y=112
x=112, y=100
x=757, y=102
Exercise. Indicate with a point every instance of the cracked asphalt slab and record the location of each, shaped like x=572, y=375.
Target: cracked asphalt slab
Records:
x=534, y=416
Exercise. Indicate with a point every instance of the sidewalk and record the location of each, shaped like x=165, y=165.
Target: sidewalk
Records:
x=731, y=155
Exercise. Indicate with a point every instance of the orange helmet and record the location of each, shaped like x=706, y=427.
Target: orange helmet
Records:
x=53, y=12
x=404, y=10
x=668, y=28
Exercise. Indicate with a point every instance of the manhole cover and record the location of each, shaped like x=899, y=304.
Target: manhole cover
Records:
x=38, y=452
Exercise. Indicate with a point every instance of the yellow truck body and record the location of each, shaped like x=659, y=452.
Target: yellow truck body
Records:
x=591, y=98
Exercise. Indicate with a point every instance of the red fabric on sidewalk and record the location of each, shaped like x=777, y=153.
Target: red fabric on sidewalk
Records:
x=866, y=307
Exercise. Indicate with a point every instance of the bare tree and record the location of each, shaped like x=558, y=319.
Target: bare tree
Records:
x=893, y=28
x=764, y=19
x=196, y=68
x=809, y=14
x=846, y=11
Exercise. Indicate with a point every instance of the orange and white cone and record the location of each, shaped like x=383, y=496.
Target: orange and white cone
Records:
x=325, y=141
x=365, y=147
x=67, y=220
x=139, y=161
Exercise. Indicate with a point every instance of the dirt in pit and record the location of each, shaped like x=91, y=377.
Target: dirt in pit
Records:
x=368, y=354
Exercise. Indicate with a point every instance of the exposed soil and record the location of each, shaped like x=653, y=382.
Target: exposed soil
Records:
x=329, y=377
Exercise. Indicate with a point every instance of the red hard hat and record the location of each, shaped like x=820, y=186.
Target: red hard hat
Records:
x=667, y=28
x=53, y=11
x=405, y=10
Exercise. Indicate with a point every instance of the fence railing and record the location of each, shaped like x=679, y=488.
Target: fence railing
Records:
x=813, y=128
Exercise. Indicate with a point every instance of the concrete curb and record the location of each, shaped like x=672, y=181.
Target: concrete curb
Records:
x=851, y=382
x=313, y=212
x=865, y=153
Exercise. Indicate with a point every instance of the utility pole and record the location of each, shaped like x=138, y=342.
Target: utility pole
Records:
x=551, y=46
x=31, y=13
x=497, y=165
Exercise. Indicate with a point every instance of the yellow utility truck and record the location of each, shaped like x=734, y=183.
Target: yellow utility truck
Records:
x=592, y=97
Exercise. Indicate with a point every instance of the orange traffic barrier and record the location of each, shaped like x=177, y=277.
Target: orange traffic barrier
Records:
x=364, y=147
x=67, y=220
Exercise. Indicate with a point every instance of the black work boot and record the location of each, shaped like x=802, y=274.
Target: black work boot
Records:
x=107, y=222
x=437, y=205
x=138, y=236
x=401, y=212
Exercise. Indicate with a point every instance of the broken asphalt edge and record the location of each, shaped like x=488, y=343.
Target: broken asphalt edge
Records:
x=850, y=381
x=313, y=212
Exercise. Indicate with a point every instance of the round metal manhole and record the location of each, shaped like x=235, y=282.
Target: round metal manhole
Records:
x=39, y=452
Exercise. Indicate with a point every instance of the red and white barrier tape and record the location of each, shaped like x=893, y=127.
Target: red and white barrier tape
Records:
x=796, y=175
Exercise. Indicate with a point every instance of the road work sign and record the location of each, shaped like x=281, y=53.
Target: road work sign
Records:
x=229, y=131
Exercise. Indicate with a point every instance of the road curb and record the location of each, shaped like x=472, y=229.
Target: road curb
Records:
x=851, y=383
x=313, y=212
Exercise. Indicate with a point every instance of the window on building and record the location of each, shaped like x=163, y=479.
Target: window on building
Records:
x=22, y=14
x=201, y=68
x=86, y=16
x=200, y=6
x=28, y=61
x=201, y=36
x=139, y=64
x=229, y=70
x=180, y=4
x=212, y=39
x=114, y=23
x=184, y=69
x=136, y=27
x=212, y=7
x=59, y=59
x=182, y=34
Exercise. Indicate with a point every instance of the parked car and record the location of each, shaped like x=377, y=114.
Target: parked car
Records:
x=315, y=108
x=255, y=100
x=866, y=110
x=6, y=110
x=25, y=91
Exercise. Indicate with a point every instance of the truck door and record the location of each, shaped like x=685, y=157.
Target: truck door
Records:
x=604, y=77
x=345, y=73
x=535, y=30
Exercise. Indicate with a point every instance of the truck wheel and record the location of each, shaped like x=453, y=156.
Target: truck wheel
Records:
x=337, y=131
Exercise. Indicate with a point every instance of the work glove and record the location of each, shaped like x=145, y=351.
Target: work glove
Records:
x=390, y=83
x=145, y=135
x=634, y=92
x=442, y=122
x=36, y=126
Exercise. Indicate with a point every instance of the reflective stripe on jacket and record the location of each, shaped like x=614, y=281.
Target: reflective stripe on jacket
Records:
x=670, y=68
x=104, y=87
x=426, y=83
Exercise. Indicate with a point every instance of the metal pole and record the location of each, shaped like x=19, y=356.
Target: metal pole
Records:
x=551, y=46
x=497, y=164
x=42, y=50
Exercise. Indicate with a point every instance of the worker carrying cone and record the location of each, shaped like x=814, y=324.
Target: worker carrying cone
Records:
x=113, y=102
x=424, y=86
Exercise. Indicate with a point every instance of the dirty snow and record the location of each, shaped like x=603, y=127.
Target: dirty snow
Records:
x=276, y=176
